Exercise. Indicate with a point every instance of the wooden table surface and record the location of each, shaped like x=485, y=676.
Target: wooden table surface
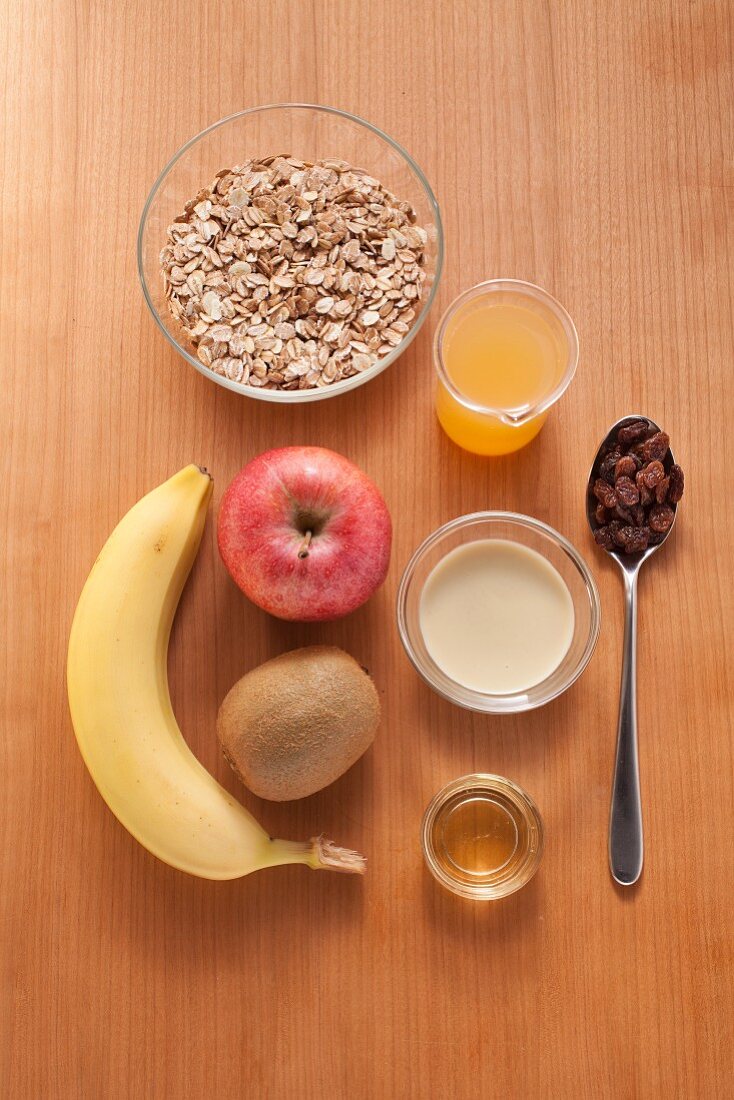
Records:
x=584, y=146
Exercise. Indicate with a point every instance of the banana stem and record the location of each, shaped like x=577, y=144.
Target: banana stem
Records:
x=318, y=853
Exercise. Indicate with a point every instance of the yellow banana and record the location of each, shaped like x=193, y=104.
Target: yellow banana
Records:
x=121, y=708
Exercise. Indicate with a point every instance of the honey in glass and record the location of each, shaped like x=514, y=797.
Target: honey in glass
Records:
x=482, y=837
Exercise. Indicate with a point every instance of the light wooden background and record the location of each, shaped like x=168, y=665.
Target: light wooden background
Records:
x=585, y=146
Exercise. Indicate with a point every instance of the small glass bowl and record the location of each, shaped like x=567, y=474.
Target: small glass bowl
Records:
x=472, y=869
x=307, y=131
x=483, y=429
x=526, y=531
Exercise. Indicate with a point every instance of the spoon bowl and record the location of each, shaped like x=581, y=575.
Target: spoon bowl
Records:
x=625, y=820
x=628, y=562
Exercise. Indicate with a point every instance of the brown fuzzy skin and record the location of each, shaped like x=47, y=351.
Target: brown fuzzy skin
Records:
x=296, y=723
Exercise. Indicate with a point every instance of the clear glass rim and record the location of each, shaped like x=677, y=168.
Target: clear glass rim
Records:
x=296, y=396
x=514, y=702
x=491, y=286
x=491, y=783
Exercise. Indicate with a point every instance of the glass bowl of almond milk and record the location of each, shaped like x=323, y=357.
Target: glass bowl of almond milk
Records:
x=498, y=612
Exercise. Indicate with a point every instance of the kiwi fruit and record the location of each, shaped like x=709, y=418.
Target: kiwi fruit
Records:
x=296, y=723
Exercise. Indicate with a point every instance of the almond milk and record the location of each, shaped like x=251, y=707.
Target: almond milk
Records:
x=496, y=617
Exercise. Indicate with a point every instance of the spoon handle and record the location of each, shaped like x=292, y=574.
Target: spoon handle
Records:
x=625, y=820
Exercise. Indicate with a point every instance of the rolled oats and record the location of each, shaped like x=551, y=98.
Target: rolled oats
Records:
x=291, y=275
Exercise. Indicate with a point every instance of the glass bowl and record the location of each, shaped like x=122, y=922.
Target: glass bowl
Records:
x=557, y=550
x=476, y=853
x=309, y=132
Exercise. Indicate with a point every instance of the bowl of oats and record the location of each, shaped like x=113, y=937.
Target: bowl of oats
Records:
x=290, y=252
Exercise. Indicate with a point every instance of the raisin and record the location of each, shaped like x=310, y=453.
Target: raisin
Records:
x=634, y=539
x=655, y=538
x=615, y=526
x=603, y=537
x=633, y=432
x=608, y=466
x=661, y=490
x=625, y=467
x=656, y=447
x=675, y=492
x=601, y=515
x=661, y=518
x=624, y=514
x=645, y=494
x=638, y=515
x=604, y=493
x=653, y=474
x=627, y=492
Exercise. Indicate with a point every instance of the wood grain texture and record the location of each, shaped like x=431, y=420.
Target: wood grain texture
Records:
x=584, y=146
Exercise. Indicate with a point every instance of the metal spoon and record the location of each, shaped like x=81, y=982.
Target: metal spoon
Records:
x=625, y=819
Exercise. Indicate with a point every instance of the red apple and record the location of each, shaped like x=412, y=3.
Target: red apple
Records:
x=305, y=533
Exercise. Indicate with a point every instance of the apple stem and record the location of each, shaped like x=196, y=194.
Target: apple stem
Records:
x=303, y=551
